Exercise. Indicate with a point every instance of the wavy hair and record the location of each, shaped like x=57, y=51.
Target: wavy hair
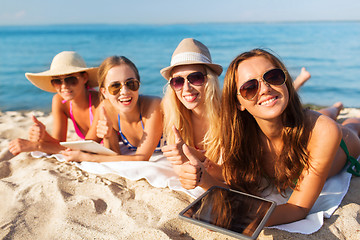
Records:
x=111, y=62
x=239, y=137
x=176, y=114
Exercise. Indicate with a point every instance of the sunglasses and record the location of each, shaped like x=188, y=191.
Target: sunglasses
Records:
x=70, y=81
x=131, y=84
x=251, y=88
x=195, y=78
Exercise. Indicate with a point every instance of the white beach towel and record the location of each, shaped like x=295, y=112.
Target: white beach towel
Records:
x=159, y=173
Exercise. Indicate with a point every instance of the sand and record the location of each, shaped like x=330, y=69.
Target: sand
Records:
x=42, y=198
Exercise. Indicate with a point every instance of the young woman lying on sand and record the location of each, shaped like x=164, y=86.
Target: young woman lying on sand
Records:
x=124, y=115
x=72, y=80
x=191, y=104
x=268, y=140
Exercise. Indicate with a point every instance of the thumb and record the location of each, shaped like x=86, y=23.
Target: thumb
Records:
x=103, y=114
x=178, y=138
x=35, y=120
x=192, y=158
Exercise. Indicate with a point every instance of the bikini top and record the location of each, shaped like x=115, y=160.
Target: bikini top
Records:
x=130, y=146
x=77, y=130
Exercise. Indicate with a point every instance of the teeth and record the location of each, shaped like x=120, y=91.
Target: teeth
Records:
x=268, y=101
x=125, y=99
x=190, y=98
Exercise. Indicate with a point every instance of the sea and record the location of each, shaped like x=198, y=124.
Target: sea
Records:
x=330, y=51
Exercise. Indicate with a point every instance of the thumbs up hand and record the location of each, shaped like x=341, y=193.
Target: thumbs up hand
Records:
x=191, y=172
x=174, y=152
x=104, y=125
x=37, y=130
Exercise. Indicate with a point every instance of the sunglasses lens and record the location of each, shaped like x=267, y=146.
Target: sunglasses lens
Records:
x=71, y=80
x=177, y=83
x=114, y=88
x=56, y=82
x=133, y=85
x=196, y=78
x=249, y=89
x=275, y=77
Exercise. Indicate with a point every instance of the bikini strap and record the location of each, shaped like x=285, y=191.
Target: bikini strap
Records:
x=354, y=167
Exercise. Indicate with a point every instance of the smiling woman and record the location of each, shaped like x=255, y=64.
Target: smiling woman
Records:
x=124, y=115
x=71, y=80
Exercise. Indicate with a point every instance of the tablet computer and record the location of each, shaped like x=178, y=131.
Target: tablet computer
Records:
x=88, y=146
x=230, y=212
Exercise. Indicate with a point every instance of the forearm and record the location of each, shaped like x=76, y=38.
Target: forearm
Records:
x=286, y=213
x=48, y=147
x=90, y=157
x=207, y=181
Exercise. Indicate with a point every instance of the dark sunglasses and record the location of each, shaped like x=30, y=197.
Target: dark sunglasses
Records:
x=115, y=87
x=251, y=88
x=70, y=81
x=195, y=78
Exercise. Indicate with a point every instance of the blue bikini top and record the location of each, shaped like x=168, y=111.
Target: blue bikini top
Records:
x=129, y=145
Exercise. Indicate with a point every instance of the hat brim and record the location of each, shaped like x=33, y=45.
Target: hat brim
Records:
x=166, y=72
x=43, y=80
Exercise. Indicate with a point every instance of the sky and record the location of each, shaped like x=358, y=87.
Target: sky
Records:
x=48, y=12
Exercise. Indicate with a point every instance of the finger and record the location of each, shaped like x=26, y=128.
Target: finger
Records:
x=178, y=138
x=192, y=158
x=35, y=120
x=103, y=114
x=168, y=148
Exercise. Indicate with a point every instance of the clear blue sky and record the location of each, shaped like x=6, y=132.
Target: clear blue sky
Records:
x=35, y=12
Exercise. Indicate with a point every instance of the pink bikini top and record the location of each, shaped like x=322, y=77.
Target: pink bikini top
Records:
x=77, y=130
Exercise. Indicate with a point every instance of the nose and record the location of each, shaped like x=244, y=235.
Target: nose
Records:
x=124, y=89
x=187, y=85
x=264, y=87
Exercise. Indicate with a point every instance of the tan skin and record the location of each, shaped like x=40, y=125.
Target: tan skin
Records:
x=128, y=104
x=192, y=97
x=39, y=138
x=326, y=158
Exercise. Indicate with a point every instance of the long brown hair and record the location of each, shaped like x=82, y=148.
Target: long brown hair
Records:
x=240, y=144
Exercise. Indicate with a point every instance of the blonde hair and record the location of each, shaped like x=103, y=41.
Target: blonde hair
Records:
x=176, y=114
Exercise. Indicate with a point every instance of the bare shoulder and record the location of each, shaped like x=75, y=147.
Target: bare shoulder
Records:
x=149, y=105
x=95, y=98
x=58, y=104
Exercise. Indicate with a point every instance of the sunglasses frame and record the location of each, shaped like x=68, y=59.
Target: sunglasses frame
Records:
x=263, y=80
x=114, y=92
x=187, y=79
x=64, y=81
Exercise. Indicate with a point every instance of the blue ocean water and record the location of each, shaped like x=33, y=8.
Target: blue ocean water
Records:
x=329, y=50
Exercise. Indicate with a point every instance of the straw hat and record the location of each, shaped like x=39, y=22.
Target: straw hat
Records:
x=190, y=51
x=64, y=63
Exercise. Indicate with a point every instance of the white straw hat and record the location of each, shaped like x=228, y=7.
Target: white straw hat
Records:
x=64, y=63
x=190, y=51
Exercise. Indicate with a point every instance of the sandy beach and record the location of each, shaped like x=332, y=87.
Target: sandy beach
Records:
x=42, y=198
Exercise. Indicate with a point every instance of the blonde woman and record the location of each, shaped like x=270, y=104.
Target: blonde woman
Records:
x=191, y=103
x=125, y=118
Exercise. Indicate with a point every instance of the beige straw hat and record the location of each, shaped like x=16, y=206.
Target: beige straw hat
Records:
x=64, y=63
x=190, y=51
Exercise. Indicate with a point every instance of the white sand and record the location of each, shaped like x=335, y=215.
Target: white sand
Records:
x=46, y=199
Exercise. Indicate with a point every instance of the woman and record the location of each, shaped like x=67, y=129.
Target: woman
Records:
x=191, y=103
x=268, y=140
x=123, y=114
x=72, y=81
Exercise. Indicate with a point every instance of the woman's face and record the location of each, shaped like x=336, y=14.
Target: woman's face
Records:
x=191, y=96
x=124, y=100
x=271, y=100
x=69, y=86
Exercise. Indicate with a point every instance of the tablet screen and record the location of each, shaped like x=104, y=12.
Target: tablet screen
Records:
x=230, y=211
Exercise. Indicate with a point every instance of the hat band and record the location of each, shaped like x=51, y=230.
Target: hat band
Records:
x=188, y=57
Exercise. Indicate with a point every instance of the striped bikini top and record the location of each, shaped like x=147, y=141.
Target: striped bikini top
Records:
x=129, y=145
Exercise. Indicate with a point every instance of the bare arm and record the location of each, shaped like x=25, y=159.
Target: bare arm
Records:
x=323, y=145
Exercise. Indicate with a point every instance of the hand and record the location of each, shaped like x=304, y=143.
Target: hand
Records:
x=19, y=145
x=174, y=152
x=191, y=172
x=104, y=125
x=73, y=155
x=37, y=130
